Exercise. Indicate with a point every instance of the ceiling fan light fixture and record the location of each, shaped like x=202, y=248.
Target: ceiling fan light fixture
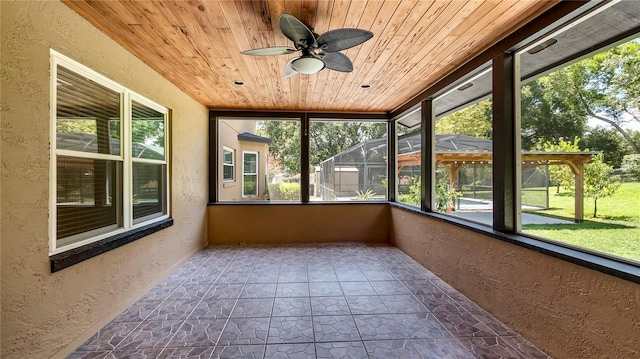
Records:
x=307, y=65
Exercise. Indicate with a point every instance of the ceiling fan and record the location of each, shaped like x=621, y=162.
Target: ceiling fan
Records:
x=318, y=51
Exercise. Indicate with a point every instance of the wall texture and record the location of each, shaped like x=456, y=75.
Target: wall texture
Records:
x=43, y=313
x=291, y=223
x=567, y=310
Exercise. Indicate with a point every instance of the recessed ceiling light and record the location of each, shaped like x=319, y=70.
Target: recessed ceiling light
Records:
x=542, y=46
x=365, y=86
x=465, y=86
x=238, y=82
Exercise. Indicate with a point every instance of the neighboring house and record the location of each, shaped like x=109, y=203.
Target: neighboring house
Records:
x=243, y=169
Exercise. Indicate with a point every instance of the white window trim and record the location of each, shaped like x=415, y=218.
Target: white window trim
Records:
x=232, y=165
x=126, y=96
x=251, y=174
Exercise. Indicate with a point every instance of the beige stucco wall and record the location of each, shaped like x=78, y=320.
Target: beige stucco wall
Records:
x=228, y=131
x=298, y=223
x=43, y=314
x=567, y=310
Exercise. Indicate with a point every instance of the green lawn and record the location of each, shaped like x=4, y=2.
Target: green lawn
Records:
x=616, y=230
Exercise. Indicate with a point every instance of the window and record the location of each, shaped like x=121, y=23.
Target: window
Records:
x=348, y=158
x=579, y=121
x=270, y=149
x=464, y=148
x=109, y=160
x=408, y=157
x=249, y=174
x=228, y=164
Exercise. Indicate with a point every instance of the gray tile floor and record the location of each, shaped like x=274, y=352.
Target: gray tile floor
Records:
x=345, y=300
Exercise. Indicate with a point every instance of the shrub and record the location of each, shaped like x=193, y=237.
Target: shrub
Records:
x=284, y=191
x=631, y=165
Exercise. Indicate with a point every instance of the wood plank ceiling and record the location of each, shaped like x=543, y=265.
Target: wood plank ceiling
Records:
x=196, y=44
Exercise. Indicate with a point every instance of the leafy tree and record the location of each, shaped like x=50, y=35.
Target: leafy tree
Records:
x=474, y=121
x=609, y=142
x=562, y=175
x=631, y=165
x=285, y=142
x=326, y=139
x=549, y=115
x=606, y=86
x=599, y=181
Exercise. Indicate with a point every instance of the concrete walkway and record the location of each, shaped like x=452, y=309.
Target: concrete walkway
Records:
x=486, y=217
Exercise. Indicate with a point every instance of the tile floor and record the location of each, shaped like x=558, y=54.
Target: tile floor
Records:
x=305, y=301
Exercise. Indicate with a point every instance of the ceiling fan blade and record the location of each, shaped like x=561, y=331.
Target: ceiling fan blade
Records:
x=269, y=51
x=289, y=71
x=296, y=31
x=337, y=61
x=342, y=39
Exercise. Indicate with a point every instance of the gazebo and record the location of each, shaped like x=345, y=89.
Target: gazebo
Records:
x=455, y=151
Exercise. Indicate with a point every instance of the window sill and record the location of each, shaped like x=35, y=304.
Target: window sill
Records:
x=74, y=256
x=602, y=264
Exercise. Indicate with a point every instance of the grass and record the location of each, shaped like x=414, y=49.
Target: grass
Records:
x=616, y=230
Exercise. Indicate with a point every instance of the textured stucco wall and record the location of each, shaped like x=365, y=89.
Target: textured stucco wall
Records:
x=567, y=310
x=42, y=313
x=291, y=223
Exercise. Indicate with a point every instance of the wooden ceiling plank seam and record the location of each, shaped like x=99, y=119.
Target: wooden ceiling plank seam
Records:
x=379, y=28
x=344, y=84
x=237, y=30
x=308, y=11
x=370, y=18
x=255, y=41
x=283, y=91
x=423, y=45
x=214, y=12
x=290, y=86
x=254, y=83
x=293, y=7
x=160, y=30
x=276, y=8
x=235, y=62
x=198, y=32
x=196, y=45
x=426, y=48
x=399, y=17
x=260, y=9
x=341, y=82
x=324, y=12
x=494, y=38
x=340, y=8
x=194, y=35
x=135, y=47
x=424, y=70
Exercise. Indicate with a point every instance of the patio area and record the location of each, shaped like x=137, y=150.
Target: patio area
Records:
x=344, y=300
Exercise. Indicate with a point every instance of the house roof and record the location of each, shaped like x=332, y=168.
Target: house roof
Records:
x=251, y=137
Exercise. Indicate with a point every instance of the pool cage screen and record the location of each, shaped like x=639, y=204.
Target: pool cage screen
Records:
x=358, y=169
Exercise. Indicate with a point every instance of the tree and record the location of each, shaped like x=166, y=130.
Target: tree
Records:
x=608, y=141
x=285, y=142
x=599, y=181
x=548, y=114
x=474, y=121
x=326, y=139
x=607, y=87
x=631, y=165
x=562, y=175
